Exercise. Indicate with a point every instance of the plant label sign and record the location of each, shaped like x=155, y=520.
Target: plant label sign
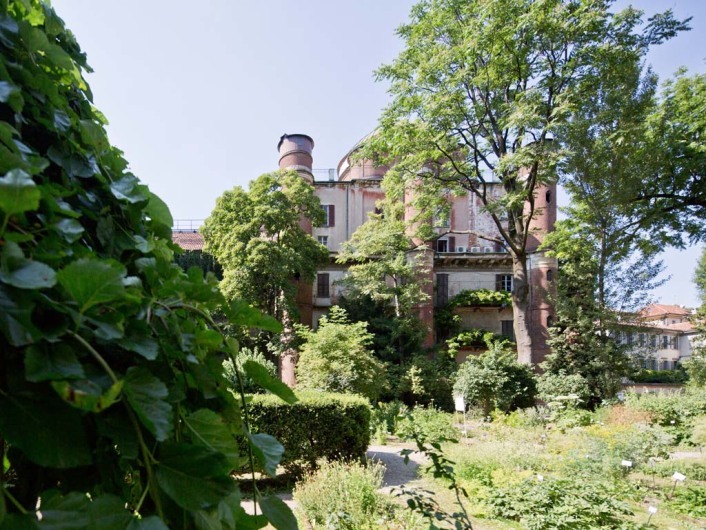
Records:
x=652, y=510
x=459, y=404
x=626, y=463
x=679, y=477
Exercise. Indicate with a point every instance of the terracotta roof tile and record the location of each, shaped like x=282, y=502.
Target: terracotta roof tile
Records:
x=654, y=310
x=188, y=240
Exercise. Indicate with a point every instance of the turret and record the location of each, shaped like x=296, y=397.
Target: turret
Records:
x=295, y=153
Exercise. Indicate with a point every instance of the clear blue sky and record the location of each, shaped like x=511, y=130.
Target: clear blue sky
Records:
x=198, y=93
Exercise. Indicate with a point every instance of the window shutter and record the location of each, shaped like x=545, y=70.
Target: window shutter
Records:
x=498, y=282
x=452, y=244
x=332, y=215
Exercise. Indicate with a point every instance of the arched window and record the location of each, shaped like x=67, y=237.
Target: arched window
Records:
x=550, y=321
x=548, y=196
x=550, y=275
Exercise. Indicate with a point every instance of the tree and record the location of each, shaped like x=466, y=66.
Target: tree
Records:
x=696, y=365
x=257, y=237
x=336, y=357
x=495, y=380
x=479, y=95
x=382, y=265
x=114, y=412
x=583, y=337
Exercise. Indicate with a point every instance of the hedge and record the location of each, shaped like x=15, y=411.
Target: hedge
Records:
x=320, y=425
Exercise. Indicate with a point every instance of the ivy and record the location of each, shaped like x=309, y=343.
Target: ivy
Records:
x=114, y=411
x=482, y=298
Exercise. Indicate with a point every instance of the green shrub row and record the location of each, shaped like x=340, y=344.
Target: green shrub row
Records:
x=318, y=426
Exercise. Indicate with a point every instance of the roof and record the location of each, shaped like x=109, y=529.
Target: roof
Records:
x=658, y=310
x=188, y=240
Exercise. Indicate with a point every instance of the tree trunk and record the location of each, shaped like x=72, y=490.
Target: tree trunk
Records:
x=289, y=356
x=521, y=309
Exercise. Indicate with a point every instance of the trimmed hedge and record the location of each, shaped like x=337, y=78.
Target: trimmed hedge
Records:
x=319, y=425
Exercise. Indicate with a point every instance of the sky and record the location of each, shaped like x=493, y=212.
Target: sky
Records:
x=198, y=93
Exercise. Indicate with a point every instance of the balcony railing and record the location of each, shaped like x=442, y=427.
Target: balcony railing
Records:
x=187, y=225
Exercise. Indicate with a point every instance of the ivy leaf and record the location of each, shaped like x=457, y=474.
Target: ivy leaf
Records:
x=128, y=189
x=61, y=512
x=209, y=429
x=45, y=363
x=18, y=192
x=49, y=432
x=30, y=275
x=267, y=450
x=108, y=512
x=91, y=281
x=146, y=394
x=86, y=395
x=145, y=346
x=62, y=122
x=278, y=513
x=15, y=318
x=70, y=229
x=193, y=476
x=93, y=135
x=158, y=211
x=262, y=377
x=147, y=523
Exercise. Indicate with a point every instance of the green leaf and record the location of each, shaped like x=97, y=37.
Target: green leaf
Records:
x=86, y=395
x=209, y=429
x=15, y=521
x=145, y=346
x=267, y=450
x=278, y=513
x=47, y=431
x=15, y=318
x=91, y=281
x=62, y=122
x=146, y=394
x=47, y=363
x=158, y=211
x=70, y=229
x=93, y=135
x=18, y=192
x=30, y=275
x=262, y=377
x=229, y=508
x=63, y=512
x=195, y=477
x=246, y=315
x=207, y=521
x=128, y=189
x=245, y=521
x=115, y=424
x=148, y=523
x=108, y=512
x=7, y=90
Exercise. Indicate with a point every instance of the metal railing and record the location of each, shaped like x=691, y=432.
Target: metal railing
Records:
x=187, y=225
x=324, y=175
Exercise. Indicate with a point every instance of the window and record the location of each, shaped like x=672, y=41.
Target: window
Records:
x=442, y=218
x=665, y=342
x=507, y=330
x=675, y=343
x=550, y=321
x=323, y=240
x=503, y=282
x=631, y=337
x=322, y=285
x=653, y=341
x=330, y=211
x=548, y=196
x=641, y=339
x=550, y=275
x=446, y=244
x=442, y=289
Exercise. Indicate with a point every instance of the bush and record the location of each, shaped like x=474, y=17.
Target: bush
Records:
x=677, y=376
x=692, y=470
x=430, y=424
x=384, y=418
x=690, y=500
x=495, y=380
x=565, y=503
x=342, y=495
x=244, y=356
x=676, y=412
x=550, y=386
x=424, y=381
x=318, y=426
x=336, y=358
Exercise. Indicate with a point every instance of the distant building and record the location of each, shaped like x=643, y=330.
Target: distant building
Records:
x=458, y=260
x=661, y=336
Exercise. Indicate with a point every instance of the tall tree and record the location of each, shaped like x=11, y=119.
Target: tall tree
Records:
x=480, y=92
x=257, y=237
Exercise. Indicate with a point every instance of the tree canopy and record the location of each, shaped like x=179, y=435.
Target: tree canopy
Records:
x=480, y=93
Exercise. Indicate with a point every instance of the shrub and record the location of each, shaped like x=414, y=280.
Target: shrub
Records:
x=692, y=470
x=318, y=426
x=565, y=503
x=677, y=376
x=430, y=424
x=336, y=358
x=495, y=380
x=550, y=386
x=675, y=411
x=244, y=356
x=342, y=495
x=426, y=382
x=689, y=500
x=384, y=418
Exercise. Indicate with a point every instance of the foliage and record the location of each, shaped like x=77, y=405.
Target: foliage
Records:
x=481, y=297
x=328, y=426
x=494, y=380
x=700, y=276
x=342, y=496
x=582, y=340
x=384, y=419
x=674, y=411
x=690, y=500
x=480, y=93
x=545, y=504
x=381, y=264
x=424, y=381
x=114, y=412
x=196, y=258
x=692, y=470
x=476, y=338
x=550, y=386
x=677, y=376
x=336, y=357
x=428, y=423
x=256, y=237
x=231, y=370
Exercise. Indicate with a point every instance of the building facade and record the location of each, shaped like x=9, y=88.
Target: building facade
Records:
x=458, y=260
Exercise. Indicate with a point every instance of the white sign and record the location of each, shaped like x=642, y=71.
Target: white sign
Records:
x=679, y=477
x=626, y=463
x=652, y=509
x=540, y=478
x=459, y=404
